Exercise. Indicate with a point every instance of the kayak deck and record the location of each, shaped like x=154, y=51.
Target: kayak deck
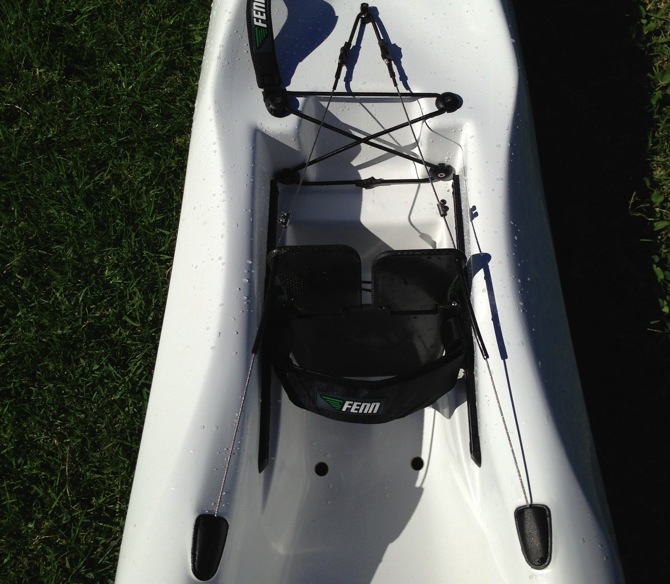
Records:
x=365, y=503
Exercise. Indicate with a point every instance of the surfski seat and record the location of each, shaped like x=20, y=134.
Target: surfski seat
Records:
x=366, y=363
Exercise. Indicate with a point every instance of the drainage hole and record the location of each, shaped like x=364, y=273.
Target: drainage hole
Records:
x=417, y=463
x=321, y=469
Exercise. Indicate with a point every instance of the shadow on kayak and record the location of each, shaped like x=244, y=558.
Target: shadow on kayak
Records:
x=308, y=24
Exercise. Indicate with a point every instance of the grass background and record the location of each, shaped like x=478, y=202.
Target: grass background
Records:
x=97, y=100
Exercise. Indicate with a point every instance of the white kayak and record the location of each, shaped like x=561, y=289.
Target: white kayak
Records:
x=365, y=373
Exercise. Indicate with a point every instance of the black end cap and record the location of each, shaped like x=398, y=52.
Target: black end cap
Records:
x=209, y=539
x=441, y=172
x=449, y=102
x=276, y=102
x=533, y=524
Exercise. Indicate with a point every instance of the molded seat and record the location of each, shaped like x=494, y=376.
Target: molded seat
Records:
x=397, y=355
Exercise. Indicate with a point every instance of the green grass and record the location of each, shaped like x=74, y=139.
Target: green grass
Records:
x=96, y=103
x=655, y=37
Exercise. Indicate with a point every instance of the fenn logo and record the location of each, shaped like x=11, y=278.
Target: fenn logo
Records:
x=347, y=406
x=260, y=21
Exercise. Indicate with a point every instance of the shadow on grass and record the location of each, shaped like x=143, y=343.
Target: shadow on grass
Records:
x=588, y=84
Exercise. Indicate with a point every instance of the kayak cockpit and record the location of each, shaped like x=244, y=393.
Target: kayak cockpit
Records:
x=367, y=313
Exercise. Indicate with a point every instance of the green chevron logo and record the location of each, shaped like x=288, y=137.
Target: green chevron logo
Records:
x=351, y=406
x=259, y=17
x=261, y=34
x=333, y=402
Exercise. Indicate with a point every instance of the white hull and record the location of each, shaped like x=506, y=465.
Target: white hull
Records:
x=372, y=518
